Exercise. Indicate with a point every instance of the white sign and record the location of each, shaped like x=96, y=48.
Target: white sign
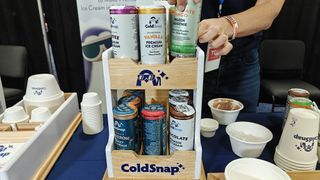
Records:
x=2, y=100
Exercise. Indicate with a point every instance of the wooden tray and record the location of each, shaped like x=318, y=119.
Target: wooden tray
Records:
x=305, y=175
x=56, y=151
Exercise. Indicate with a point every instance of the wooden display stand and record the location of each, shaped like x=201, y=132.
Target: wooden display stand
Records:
x=156, y=80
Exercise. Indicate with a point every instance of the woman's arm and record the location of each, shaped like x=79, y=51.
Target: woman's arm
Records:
x=216, y=31
x=259, y=17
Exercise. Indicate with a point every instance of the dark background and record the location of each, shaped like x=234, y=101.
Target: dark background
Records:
x=20, y=25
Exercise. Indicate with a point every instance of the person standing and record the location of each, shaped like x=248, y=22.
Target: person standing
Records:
x=233, y=28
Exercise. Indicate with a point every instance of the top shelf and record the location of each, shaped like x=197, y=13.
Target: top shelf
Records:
x=181, y=73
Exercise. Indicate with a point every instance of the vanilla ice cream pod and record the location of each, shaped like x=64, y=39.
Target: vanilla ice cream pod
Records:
x=124, y=31
x=184, y=30
x=152, y=28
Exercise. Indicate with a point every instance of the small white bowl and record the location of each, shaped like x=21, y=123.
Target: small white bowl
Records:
x=208, y=127
x=40, y=114
x=14, y=115
x=224, y=116
x=253, y=169
x=42, y=87
x=248, y=139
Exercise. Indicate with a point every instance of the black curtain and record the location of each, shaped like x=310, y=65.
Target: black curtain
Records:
x=64, y=36
x=300, y=19
x=20, y=25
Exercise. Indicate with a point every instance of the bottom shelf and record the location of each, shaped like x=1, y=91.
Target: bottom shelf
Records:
x=303, y=175
x=105, y=176
x=46, y=166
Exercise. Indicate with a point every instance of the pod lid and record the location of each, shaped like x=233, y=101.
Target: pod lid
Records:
x=130, y=99
x=184, y=109
x=298, y=92
x=124, y=110
x=178, y=92
x=123, y=10
x=179, y=100
x=153, y=110
x=301, y=101
x=129, y=92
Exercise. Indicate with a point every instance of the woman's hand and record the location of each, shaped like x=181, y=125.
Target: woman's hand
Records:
x=181, y=4
x=216, y=32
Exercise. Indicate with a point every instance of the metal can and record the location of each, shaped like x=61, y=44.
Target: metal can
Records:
x=152, y=27
x=125, y=119
x=297, y=102
x=181, y=127
x=184, y=30
x=136, y=102
x=295, y=92
x=153, y=116
x=124, y=31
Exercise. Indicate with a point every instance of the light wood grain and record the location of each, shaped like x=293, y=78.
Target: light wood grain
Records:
x=180, y=74
x=5, y=127
x=46, y=166
x=306, y=175
x=15, y=136
x=27, y=126
x=105, y=177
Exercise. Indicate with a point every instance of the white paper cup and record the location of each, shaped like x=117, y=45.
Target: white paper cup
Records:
x=248, y=139
x=225, y=117
x=90, y=99
x=42, y=87
x=299, y=139
x=208, y=127
x=13, y=115
x=92, y=119
x=40, y=114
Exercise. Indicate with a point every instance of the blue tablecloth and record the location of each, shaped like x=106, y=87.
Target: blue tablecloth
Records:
x=84, y=156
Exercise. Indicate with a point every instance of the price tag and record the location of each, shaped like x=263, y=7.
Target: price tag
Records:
x=212, y=60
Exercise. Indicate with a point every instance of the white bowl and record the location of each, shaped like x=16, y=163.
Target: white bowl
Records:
x=42, y=87
x=254, y=169
x=40, y=114
x=14, y=115
x=225, y=117
x=208, y=127
x=248, y=139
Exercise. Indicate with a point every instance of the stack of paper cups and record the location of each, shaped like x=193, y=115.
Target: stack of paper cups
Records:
x=92, y=120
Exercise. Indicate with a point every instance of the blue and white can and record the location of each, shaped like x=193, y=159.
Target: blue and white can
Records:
x=125, y=120
x=153, y=115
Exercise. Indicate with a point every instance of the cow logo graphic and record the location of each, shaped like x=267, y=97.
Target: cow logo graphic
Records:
x=153, y=23
x=148, y=76
x=306, y=143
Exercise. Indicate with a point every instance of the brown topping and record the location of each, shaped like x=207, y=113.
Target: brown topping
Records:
x=226, y=105
x=179, y=115
x=298, y=93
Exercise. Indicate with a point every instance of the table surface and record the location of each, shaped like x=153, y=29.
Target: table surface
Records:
x=84, y=156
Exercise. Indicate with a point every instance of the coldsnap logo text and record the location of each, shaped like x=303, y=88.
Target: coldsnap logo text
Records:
x=152, y=168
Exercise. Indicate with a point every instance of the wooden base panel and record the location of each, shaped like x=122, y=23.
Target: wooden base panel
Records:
x=295, y=175
x=105, y=177
x=56, y=151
